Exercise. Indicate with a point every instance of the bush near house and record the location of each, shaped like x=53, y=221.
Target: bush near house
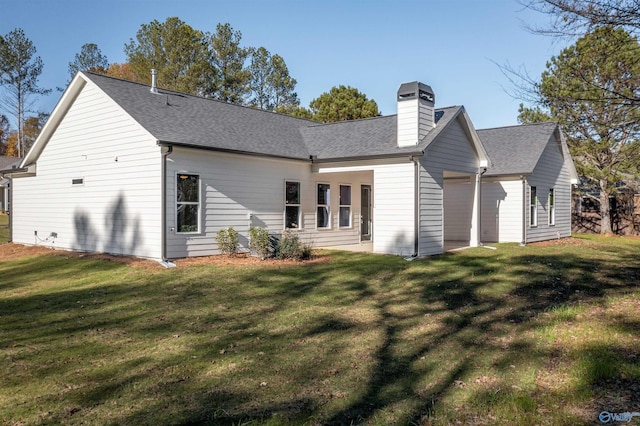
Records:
x=228, y=241
x=542, y=334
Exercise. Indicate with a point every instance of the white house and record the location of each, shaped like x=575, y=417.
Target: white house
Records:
x=125, y=169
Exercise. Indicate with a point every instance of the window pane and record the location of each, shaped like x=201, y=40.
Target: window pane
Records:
x=345, y=216
x=534, y=196
x=323, y=193
x=551, y=197
x=292, y=215
x=188, y=188
x=345, y=195
x=292, y=193
x=187, y=218
x=323, y=217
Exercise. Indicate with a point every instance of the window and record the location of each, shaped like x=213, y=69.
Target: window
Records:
x=323, y=216
x=188, y=203
x=533, y=207
x=292, y=205
x=79, y=181
x=345, y=205
x=552, y=206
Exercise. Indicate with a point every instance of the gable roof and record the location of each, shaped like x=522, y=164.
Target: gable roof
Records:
x=369, y=137
x=185, y=120
x=516, y=150
x=181, y=119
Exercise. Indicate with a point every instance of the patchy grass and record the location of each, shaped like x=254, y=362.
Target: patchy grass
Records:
x=4, y=228
x=544, y=334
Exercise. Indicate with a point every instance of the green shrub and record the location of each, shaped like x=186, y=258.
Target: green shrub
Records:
x=227, y=240
x=259, y=241
x=290, y=247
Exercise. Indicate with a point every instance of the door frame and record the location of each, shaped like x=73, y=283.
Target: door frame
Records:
x=368, y=214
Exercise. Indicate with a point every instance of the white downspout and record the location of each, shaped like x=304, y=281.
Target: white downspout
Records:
x=524, y=212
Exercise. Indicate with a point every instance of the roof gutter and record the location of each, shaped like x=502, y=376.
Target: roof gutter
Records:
x=410, y=155
x=230, y=151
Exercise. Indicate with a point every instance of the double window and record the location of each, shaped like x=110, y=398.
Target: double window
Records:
x=188, y=203
x=533, y=206
x=323, y=201
x=552, y=206
x=345, y=206
x=292, y=214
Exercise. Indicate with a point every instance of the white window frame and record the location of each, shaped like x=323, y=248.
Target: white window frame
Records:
x=189, y=203
x=343, y=206
x=327, y=205
x=298, y=205
x=552, y=206
x=533, y=206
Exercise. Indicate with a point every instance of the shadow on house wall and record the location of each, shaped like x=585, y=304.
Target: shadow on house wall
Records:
x=120, y=235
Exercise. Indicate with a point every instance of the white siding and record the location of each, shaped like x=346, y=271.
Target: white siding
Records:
x=394, y=209
x=415, y=120
x=453, y=152
x=501, y=211
x=117, y=208
x=233, y=187
x=550, y=172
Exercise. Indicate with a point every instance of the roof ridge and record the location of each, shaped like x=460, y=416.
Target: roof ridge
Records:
x=519, y=125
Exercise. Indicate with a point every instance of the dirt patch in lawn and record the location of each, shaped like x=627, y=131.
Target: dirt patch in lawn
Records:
x=12, y=251
x=569, y=241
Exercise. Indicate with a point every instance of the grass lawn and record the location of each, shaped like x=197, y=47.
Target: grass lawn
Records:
x=518, y=335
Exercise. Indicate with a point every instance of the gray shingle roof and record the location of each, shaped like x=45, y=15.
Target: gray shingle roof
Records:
x=516, y=149
x=7, y=163
x=370, y=137
x=194, y=121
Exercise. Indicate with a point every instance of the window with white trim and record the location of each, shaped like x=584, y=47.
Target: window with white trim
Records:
x=188, y=203
x=345, y=206
x=552, y=206
x=533, y=206
x=323, y=201
x=292, y=205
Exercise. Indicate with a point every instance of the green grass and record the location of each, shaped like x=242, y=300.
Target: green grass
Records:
x=4, y=228
x=519, y=335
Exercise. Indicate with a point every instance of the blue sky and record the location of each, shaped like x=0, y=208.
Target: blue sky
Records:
x=372, y=45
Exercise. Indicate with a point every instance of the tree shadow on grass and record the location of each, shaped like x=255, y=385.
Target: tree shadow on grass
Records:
x=359, y=339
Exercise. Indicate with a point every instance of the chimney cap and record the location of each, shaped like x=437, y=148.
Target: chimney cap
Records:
x=416, y=90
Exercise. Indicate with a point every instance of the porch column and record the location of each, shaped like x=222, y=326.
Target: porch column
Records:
x=474, y=237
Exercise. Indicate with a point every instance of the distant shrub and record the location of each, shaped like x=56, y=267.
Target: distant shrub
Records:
x=227, y=240
x=259, y=241
x=290, y=247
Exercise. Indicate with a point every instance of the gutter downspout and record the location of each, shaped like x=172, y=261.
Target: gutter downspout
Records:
x=163, y=216
x=479, y=183
x=10, y=202
x=416, y=202
x=524, y=212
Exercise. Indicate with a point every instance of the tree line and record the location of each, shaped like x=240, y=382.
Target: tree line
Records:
x=592, y=88
x=213, y=65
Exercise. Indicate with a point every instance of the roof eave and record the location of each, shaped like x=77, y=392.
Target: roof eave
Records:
x=232, y=151
x=408, y=154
